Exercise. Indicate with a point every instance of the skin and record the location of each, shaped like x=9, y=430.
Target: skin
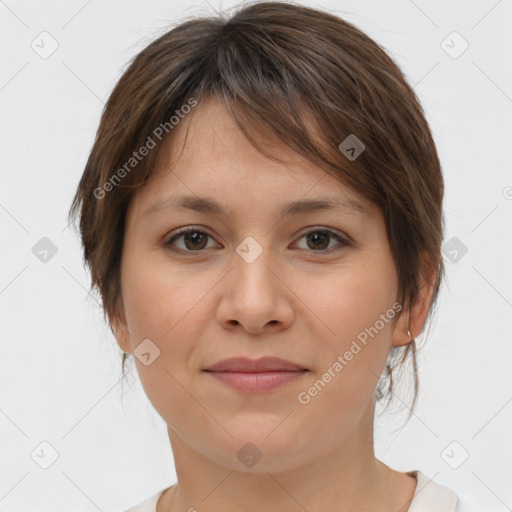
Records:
x=305, y=301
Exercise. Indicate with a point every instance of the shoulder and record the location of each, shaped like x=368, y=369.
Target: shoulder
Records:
x=431, y=496
x=148, y=505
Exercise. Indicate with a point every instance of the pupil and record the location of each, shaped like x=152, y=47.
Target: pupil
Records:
x=195, y=238
x=317, y=238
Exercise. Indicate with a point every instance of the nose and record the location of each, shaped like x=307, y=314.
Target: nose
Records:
x=256, y=296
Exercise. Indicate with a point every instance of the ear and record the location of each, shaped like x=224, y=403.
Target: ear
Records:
x=413, y=320
x=120, y=330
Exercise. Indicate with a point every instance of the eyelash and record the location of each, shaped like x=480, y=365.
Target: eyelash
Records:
x=342, y=241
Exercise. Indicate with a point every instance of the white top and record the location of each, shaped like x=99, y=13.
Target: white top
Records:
x=428, y=497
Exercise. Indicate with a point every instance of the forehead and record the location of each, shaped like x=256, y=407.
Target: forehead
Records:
x=208, y=155
x=211, y=132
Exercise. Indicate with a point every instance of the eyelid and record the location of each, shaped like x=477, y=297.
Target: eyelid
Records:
x=343, y=240
x=181, y=231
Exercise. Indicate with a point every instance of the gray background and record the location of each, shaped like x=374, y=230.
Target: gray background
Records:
x=60, y=366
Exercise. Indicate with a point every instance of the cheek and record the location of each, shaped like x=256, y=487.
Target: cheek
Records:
x=349, y=301
x=355, y=314
x=166, y=307
x=161, y=319
x=160, y=297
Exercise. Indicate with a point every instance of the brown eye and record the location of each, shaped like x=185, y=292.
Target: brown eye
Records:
x=196, y=239
x=193, y=240
x=320, y=239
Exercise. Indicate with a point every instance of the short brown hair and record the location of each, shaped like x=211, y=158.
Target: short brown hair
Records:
x=287, y=68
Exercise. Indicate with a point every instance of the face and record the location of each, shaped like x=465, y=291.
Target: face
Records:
x=315, y=287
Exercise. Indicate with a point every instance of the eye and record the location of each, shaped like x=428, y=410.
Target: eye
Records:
x=318, y=240
x=195, y=240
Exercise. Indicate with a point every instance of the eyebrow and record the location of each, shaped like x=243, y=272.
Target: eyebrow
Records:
x=211, y=206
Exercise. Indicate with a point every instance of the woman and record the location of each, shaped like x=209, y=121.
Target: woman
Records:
x=262, y=214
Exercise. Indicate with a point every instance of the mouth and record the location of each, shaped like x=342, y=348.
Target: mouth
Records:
x=255, y=375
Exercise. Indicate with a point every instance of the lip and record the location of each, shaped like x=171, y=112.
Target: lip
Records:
x=247, y=365
x=256, y=375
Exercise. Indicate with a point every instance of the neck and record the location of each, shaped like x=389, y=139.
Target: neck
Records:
x=346, y=477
